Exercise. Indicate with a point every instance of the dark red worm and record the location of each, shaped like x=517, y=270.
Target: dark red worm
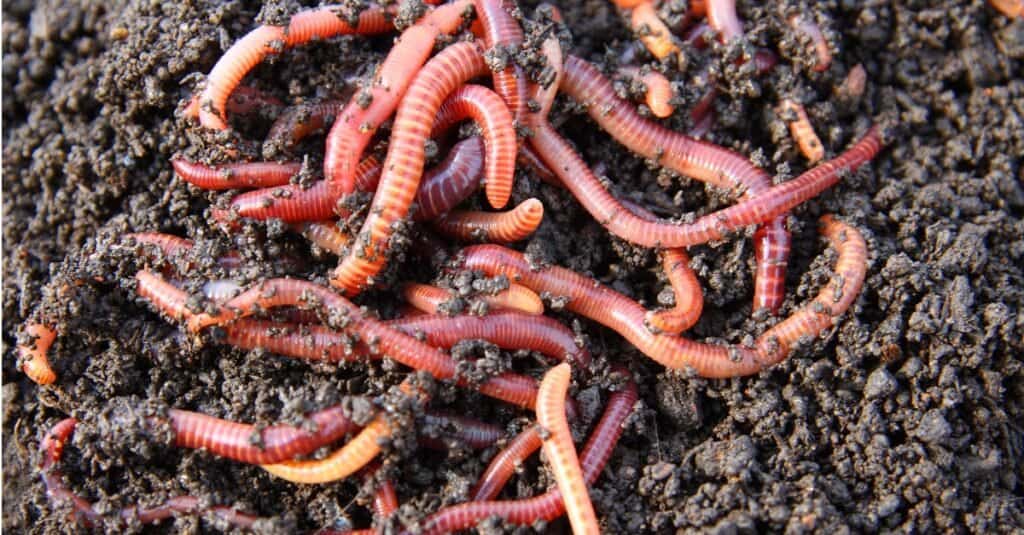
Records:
x=274, y=293
x=685, y=155
x=513, y=225
x=505, y=463
x=529, y=158
x=85, y=514
x=489, y=112
x=302, y=121
x=464, y=431
x=251, y=49
x=626, y=316
x=403, y=167
x=357, y=123
x=549, y=505
x=451, y=181
x=235, y=175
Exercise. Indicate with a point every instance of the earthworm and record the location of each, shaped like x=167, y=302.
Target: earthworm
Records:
x=549, y=505
x=382, y=339
x=235, y=175
x=308, y=342
x=496, y=227
x=453, y=180
x=854, y=84
x=560, y=452
x=385, y=499
x=469, y=432
x=804, y=25
x=487, y=109
x=502, y=31
x=249, y=444
x=723, y=19
x=652, y=31
x=325, y=235
x=544, y=95
x=33, y=354
x=625, y=316
x=294, y=203
x=172, y=246
x=251, y=49
x=658, y=93
x=528, y=157
x=53, y=449
x=403, y=166
x=357, y=123
x=685, y=155
x=243, y=101
x=628, y=4
x=504, y=464
x=801, y=129
x=430, y=299
x=299, y=122
x=1010, y=8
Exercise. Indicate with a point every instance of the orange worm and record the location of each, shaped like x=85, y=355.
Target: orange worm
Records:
x=302, y=121
x=85, y=514
x=1010, y=8
x=685, y=155
x=294, y=203
x=560, y=452
x=625, y=316
x=431, y=299
x=235, y=175
x=801, y=129
x=403, y=166
x=723, y=19
x=357, y=123
x=658, y=94
x=275, y=293
x=254, y=445
x=498, y=227
x=549, y=505
x=33, y=354
x=502, y=31
x=628, y=4
x=251, y=49
x=804, y=25
x=504, y=464
x=652, y=31
x=453, y=180
x=325, y=235
x=487, y=109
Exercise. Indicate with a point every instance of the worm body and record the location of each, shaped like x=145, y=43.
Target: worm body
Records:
x=496, y=227
x=430, y=299
x=801, y=129
x=658, y=94
x=35, y=364
x=652, y=31
x=504, y=464
x=235, y=175
x=468, y=432
x=723, y=19
x=300, y=122
x=808, y=28
x=688, y=296
x=453, y=180
x=502, y=31
x=325, y=235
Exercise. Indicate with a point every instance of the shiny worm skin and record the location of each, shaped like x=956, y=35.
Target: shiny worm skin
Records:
x=263, y=41
x=464, y=431
x=1010, y=8
x=687, y=156
x=549, y=505
x=452, y=181
x=504, y=464
x=35, y=364
x=357, y=123
x=403, y=166
x=86, y=515
x=626, y=316
x=302, y=121
x=802, y=130
x=235, y=175
x=493, y=227
x=658, y=93
x=502, y=31
x=325, y=235
x=723, y=19
x=430, y=299
x=652, y=31
x=487, y=109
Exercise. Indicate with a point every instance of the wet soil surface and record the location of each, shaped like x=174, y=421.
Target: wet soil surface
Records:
x=908, y=415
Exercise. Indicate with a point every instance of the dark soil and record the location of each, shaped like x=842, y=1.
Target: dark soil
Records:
x=907, y=416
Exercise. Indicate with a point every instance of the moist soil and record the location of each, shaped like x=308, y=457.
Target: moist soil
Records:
x=906, y=416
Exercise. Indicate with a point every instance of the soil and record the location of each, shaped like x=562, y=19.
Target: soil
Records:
x=907, y=416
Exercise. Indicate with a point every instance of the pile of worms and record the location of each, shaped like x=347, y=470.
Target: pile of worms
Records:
x=442, y=71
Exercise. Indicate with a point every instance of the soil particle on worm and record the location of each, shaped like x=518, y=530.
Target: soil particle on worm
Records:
x=905, y=416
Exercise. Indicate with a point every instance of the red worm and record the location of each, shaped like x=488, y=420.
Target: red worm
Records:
x=549, y=505
x=658, y=94
x=430, y=299
x=243, y=101
x=801, y=129
x=723, y=19
x=33, y=354
x=1010, y=8
x=528, y=157
x=552, y=51
x=495, y=227
x=487, y=109
x=325, y=235
x=504, y=464
x=385, y=500
x=250, y=50
x=501, y=30
x=687, y=156
x=403, y=166
x=468, y=432
x=84, y=513
x=249, y=444
x=235, y=175
x=174, y=246
x=382, y=339
x=299, y=122
x=295, y=204
x=451, y=181
x=358, y=121
x=652, y=31
x=804, y=25
x=625, y=316
x=560, y=452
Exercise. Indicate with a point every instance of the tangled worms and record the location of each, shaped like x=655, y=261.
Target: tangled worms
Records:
x=451, y=181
